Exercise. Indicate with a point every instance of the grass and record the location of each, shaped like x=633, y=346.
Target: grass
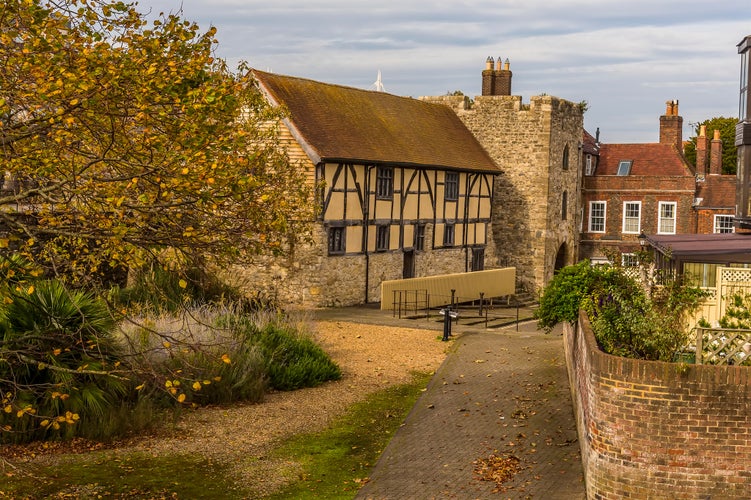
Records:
x=335, y=462
x=332, y=463
x=111, y=474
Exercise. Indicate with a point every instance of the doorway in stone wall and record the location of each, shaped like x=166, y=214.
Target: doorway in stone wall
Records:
x=409, y=264
x=561, y=257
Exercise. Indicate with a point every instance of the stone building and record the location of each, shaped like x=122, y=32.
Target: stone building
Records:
x=403, y=190
x=538, y=146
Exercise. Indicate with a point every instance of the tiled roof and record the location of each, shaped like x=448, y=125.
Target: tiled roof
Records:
x=589, y=144
x=337, y=123
x=652, y=159
x=717, y=191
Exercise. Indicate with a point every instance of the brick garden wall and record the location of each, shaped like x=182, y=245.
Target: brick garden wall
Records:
x=656, y=430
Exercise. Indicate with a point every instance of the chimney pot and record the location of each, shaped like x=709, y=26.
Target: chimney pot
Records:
x=506, y=65
x=489, y=63
x=498, y=64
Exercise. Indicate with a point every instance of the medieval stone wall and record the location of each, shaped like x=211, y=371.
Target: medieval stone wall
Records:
x=528, y=143
x=307, y=277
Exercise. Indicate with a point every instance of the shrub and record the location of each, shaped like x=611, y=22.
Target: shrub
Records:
x=293, y=360
x=61, y=366
x=627, y=321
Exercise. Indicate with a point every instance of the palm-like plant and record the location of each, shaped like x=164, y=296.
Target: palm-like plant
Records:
x=59, y=359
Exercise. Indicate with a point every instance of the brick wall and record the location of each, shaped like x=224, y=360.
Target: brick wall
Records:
x=705, y=219
x=658, y=430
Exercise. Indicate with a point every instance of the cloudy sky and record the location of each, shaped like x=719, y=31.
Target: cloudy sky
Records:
x=624, y=57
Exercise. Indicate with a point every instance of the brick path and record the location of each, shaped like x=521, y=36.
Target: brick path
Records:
x=502, y=392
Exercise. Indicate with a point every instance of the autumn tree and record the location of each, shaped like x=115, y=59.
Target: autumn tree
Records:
x=726, y=126
x=122, y=137
x=122, y=141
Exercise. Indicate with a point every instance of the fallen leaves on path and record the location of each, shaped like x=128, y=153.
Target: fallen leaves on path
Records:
x=498, y=469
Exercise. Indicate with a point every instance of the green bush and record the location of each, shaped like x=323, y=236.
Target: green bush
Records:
x=293, y=360
x=626, y=320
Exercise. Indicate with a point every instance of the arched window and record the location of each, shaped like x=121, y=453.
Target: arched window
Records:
x=565, y=158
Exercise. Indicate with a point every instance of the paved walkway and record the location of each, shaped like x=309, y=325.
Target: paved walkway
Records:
x=500, y=392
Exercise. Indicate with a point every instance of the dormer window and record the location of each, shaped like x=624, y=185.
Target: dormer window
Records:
x=624, y=167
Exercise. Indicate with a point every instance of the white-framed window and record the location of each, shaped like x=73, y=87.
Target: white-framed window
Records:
x=597, y=211
x=631, y=217
x=629, y=260
x=624, y=167
x=666, y=223
x=723, y=224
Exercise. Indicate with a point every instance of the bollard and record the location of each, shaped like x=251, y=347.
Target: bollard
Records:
x=446, y=323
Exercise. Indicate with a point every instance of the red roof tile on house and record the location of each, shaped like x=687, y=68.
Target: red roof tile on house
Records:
x=717, y=191
x=652, y=159
x=337, y=123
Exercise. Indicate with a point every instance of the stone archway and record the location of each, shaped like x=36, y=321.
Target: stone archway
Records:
x=561, y=257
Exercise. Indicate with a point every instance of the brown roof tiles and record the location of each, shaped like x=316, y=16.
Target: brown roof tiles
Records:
x=652, y=159
x=339, y=123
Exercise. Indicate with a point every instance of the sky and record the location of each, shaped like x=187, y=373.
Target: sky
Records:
x=626, y=58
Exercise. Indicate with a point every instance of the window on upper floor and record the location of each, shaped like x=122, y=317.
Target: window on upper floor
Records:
x=624, y=167
x=597, y=211
x=564, y=205
x=385, y=183
x=666, y=224
x=723, y=224
x=451, y=186
x=632, y=217
x=382, y=237
x=336, y=240
x=589, y=170
x=564, y=163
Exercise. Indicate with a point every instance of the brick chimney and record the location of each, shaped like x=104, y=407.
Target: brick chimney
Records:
x=487, y=77
x=715, y=155
x=496, y=81
x=671, y=126
x=701, y=151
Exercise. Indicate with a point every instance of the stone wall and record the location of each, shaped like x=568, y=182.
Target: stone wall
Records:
x=657, y=430
x=528, y=143
x=308, y=277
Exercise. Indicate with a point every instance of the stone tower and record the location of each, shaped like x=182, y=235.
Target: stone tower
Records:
x=537, y=202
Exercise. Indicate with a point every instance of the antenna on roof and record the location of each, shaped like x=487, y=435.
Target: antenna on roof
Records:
x=378, y=84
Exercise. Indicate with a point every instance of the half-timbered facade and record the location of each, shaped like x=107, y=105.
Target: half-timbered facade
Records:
x=404, y=190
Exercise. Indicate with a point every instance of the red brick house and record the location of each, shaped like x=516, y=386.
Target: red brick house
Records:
x=637, y=188
x=715, y=193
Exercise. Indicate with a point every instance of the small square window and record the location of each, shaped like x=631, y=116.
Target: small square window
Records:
x=336, y=240
x=723, y=224
x=382, y=237
x=448, y=235
x=624, y=167
x=629, y=260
